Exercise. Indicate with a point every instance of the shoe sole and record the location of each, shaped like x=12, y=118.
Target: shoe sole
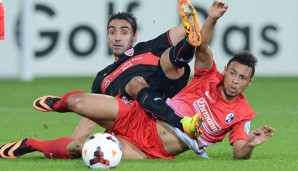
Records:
x=199, y=121
x=190, y=21
x=43, y=107
x=14, y=145
x=193, y=130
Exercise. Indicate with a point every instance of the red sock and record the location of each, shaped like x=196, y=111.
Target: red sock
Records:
x=55, y=149
x=61, y=105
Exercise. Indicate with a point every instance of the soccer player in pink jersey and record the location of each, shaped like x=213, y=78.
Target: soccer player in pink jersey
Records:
x=1, y=21
x=216, y=96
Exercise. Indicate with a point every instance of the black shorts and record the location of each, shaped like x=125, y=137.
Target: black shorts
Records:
x=168, y=88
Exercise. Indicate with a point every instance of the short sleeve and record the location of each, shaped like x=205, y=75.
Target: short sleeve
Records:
x=240, y=131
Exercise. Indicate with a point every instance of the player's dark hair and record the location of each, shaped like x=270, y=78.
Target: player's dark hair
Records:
x=245, y=58
x=125, y=16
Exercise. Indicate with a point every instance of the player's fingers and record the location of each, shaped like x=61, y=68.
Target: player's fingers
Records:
x=267, y=129
x=256, y=132
x=268, y=135
x=226, y=6
x=221, y=4
x=270, y=130
x=263, y=128
x=217, y=2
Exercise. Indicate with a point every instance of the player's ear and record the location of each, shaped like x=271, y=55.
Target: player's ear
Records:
x=250, y=82
x=225, y=69
x=135, y=37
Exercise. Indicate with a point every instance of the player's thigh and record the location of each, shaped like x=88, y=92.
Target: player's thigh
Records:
x=97, y=107
x=171, y=87
x=130, y=151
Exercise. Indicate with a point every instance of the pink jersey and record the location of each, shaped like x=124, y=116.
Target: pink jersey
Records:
x=1, y=21
x=203, y=95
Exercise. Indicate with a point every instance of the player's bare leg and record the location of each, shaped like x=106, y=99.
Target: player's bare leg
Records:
x=99, y=108
x=129, y=151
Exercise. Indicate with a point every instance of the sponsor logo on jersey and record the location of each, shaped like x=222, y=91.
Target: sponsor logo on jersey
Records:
x=247, y=127
x=230, y=117
x=209, y=122
x=107, y=81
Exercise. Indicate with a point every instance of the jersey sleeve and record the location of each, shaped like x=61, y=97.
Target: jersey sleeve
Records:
x=240, y=131
x=96, y=85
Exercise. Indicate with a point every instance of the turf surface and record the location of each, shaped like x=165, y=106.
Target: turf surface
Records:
x=274, y=99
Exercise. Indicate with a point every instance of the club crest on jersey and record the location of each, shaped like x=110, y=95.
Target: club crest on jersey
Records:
x=230, y=117
x=106, y=81
x=129, y=52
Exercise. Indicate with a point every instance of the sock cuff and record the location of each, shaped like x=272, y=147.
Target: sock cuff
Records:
x=61, y=105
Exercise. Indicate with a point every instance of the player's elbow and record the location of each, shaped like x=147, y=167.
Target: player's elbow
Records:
x=135, y=85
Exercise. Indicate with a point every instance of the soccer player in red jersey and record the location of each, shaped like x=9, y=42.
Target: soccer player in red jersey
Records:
x=216, y=96
x=1, y=21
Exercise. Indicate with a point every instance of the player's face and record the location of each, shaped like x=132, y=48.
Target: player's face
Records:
x=236, y=78
x=120, y=36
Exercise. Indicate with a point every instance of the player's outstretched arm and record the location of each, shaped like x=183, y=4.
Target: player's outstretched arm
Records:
x=84, y=128
x=204, y=57
x=243, y=149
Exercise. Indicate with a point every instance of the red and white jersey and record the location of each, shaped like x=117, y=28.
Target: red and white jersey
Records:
x=203, y=95
x=1, y=21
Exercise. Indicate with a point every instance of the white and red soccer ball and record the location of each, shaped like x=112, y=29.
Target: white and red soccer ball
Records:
x=102, y=151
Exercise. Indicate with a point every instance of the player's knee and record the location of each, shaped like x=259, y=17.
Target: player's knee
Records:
x=75, y=102
x=135, y=85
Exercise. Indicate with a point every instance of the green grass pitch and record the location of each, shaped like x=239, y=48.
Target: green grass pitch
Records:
x=275, y=101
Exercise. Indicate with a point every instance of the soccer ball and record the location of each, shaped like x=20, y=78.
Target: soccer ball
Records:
x=102, y=151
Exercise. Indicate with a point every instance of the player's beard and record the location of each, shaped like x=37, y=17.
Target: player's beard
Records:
x=228, y=96
x=118, y=54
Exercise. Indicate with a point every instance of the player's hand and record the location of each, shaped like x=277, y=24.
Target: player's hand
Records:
x=260, y=135
x=217, y=9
